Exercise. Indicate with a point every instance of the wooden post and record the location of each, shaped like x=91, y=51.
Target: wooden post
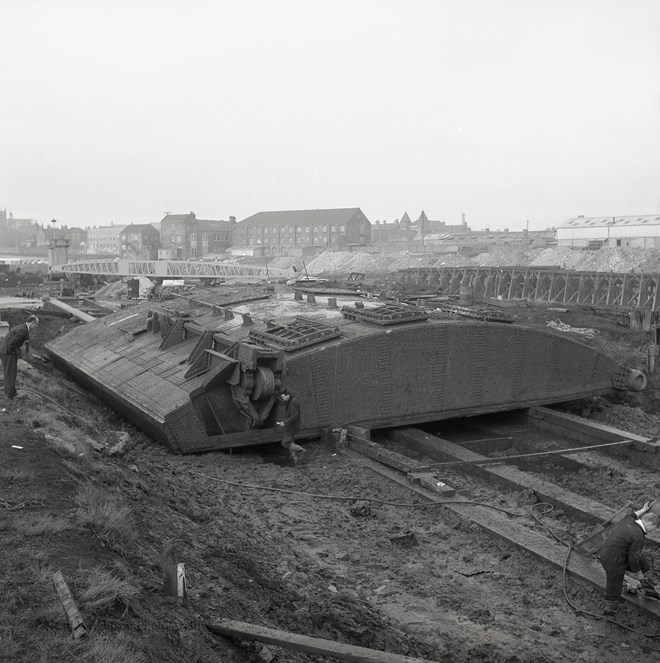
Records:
x=652, y=351
x=169, y=563
x=70, y=608
x=181, y=586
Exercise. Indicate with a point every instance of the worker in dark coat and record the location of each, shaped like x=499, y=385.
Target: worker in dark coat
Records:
x=10, y=351
x=290, y=425
x=622, y=551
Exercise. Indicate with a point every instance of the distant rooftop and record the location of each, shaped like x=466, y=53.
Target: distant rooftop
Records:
x=600, y=221
x=327, y=216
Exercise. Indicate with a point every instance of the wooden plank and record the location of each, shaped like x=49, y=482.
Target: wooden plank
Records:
x=504, y=476
x=432, y=482
x=306, y=644
x=70, y=608
x=586, y=433
x=81, y=315
x=508, y=529
x=382, y=455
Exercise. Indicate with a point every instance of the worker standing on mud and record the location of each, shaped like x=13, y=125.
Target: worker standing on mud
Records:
x=290, y=425
x=10, y=351
x=622, y=551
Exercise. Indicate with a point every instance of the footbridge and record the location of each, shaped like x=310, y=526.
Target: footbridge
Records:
x=545, y=284
x=173, y=269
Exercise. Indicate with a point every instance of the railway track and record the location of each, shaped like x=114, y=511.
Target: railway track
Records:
x=468, y=462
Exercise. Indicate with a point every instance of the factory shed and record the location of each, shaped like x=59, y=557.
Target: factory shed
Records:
x=596, y=231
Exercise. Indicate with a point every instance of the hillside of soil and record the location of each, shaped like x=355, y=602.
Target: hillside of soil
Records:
x=603, y=260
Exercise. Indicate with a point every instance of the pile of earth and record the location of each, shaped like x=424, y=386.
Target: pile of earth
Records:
x=620, y=259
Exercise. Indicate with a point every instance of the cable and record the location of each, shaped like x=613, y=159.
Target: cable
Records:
x=505, y=459
x=354, y=498
x=72, y=414
x=549, y=508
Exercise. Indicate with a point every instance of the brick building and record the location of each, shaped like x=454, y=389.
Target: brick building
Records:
x=185, y=237
x=295, y=232
x=139, y=241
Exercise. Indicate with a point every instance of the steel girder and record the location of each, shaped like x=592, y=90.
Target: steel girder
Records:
x=171, y=269
x=603, y=289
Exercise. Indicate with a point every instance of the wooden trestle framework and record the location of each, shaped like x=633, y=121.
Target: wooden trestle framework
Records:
x=545, y=284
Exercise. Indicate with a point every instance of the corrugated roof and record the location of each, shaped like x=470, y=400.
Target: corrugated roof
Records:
x=327, y=216
x=601, y=221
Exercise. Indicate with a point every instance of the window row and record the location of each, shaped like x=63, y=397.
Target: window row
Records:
x=274, y=230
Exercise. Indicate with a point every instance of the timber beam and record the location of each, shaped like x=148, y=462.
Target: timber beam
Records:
x=583, y=432
x=307, y=645
x=504, y=477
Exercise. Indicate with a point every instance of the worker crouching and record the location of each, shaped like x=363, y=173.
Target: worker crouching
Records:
x=622, y=552
x=290, y=425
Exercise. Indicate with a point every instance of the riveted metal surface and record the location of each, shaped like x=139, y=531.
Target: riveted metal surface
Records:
x=438, y=363
x=478, y=364
x=519, y=339
x=551, y=374
x=384, y=372
x=321, y=393
x=371, y=374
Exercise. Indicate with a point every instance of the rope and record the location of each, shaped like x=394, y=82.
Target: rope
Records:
x=505, y=459
x=354, y=498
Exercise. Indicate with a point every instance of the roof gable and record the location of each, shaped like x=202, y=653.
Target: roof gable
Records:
x=208, y=225
x=134, y=228
x=174, y=218
x=319, y=216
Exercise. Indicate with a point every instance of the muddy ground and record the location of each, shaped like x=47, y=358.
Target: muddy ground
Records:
x=296, y=560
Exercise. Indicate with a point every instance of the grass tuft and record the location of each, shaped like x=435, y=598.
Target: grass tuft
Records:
x=37, y=524
x=104, y=589
x=106, y=515
x=110, y=648
x=17, y=475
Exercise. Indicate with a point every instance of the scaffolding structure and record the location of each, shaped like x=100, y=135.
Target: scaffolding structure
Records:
x=544, y=284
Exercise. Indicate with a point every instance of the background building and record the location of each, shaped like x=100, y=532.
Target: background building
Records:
x=104, y=239
x=185, y=237
x=299, y=232
x=139, y=241
x=597, y=231
x=16, y=235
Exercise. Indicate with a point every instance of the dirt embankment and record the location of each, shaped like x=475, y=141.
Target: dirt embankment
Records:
x=604, y=260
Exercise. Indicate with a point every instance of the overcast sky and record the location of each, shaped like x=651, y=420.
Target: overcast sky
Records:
x=505, y=110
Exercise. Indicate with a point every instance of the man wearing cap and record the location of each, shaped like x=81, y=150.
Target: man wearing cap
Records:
x=622, y=552
x=290, y=425
x=10, y=351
